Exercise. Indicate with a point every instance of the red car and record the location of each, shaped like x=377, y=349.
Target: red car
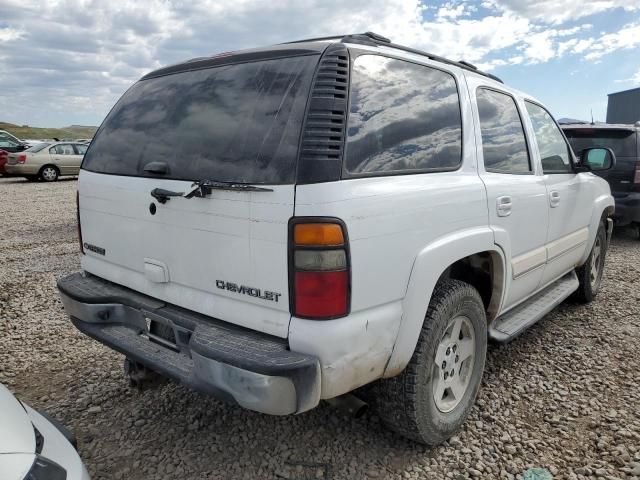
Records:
x=3, y=160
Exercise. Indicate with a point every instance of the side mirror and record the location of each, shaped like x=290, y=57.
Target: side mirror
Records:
x=597, y=159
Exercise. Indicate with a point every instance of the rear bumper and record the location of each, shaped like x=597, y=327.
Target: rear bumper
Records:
x=627, y=209
x=21, y=169
x=241, y=366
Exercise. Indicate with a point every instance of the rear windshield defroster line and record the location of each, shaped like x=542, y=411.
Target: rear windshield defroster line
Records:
x=235, y=123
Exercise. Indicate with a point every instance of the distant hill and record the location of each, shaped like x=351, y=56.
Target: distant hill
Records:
x=78, y=127
x=570, y=120
x=27, y=132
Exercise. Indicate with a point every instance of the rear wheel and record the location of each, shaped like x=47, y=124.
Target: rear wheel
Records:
x=430, y=400
x=49, y=173
x=590, y=273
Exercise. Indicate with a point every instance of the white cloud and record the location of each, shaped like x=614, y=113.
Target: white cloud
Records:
x=634, y=79
x=450, y=11
x=582, y=45
x=556, y=12
x=8, y=34
x=50, y=58
x=626, y=38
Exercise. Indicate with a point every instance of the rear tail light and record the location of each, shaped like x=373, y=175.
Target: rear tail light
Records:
x=320, y=274
x=22, y=158
x=78, y=220
x=636, y=177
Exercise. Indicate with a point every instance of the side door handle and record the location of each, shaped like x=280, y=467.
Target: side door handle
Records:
x=554, y=198
x=503, y=206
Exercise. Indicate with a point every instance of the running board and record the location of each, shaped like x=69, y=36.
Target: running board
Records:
x=508, y=326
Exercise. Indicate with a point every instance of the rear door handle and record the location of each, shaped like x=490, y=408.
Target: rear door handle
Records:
x=503, y=206
x=554, y=198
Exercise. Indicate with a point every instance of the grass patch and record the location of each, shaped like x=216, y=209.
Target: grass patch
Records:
x=26, y=132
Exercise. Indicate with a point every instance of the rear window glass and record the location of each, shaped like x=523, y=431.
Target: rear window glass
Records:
x=37, y=148
x=623, y=143
x=234, y=123
x=403, y=117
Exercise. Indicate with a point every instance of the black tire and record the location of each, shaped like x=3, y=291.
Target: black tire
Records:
x=49, y=173
x=590, y=284
x=406, y=403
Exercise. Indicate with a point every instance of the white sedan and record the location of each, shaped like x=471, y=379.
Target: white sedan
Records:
x=33, y=447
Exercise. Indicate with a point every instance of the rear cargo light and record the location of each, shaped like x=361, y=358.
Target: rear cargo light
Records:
x=78, y=220
x=320, y=273
x=22, y=158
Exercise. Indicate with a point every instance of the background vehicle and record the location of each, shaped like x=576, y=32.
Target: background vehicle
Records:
x=47, y=161
x=364, y=213
x=10, y=145
x=624, y=178
x=4, y=156
x=4, y=135
x=34, y=446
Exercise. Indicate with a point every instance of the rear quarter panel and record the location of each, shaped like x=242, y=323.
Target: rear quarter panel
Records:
x=404, y=231
x=400, y=228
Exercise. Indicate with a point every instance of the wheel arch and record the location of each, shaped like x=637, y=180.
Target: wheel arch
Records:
x=471, y=256
x=603, y=208
x=53, y=165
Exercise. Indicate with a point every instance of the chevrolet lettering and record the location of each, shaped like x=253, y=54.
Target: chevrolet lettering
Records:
x=252, y=292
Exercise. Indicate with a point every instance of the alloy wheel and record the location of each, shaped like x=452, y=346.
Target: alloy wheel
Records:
x=595, y=262
x=49, y=174
x=453, y=366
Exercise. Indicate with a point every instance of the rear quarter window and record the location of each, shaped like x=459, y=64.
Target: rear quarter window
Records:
x=403, y=118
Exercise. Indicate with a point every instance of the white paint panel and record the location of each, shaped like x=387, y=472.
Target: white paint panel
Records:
x=238, y=237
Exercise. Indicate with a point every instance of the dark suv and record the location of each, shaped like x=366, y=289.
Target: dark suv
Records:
x=624, y=178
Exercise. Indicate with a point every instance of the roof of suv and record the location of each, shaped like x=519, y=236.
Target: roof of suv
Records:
x=307, y=46
x=600, y=126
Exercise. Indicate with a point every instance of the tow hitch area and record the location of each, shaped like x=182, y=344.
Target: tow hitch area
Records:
x=140, y=376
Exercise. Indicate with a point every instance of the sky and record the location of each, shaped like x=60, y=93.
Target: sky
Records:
x=66, y=62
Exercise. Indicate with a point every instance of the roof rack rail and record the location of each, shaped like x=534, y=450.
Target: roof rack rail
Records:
x=317, y=39
x=371, y=38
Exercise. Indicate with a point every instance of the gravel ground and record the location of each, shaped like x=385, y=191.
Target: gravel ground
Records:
x=564, y=396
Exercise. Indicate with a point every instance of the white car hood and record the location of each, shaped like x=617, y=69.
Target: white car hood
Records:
x=16, y=433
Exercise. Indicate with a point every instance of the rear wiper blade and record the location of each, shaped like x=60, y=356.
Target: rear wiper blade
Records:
x=205, y=187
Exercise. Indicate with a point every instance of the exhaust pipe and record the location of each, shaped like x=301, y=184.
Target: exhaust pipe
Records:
x=350, y=405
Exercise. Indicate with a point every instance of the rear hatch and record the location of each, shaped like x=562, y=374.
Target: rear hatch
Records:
x=622, y=141
x=223, y=254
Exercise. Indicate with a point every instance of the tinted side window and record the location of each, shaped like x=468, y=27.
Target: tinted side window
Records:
x=7, y=143
x=554, y=151
x=80, y=149
x=403, y=117
x=62, y=149
x=504, y=145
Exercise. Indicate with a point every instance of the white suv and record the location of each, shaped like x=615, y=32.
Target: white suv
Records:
x=284, y=225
